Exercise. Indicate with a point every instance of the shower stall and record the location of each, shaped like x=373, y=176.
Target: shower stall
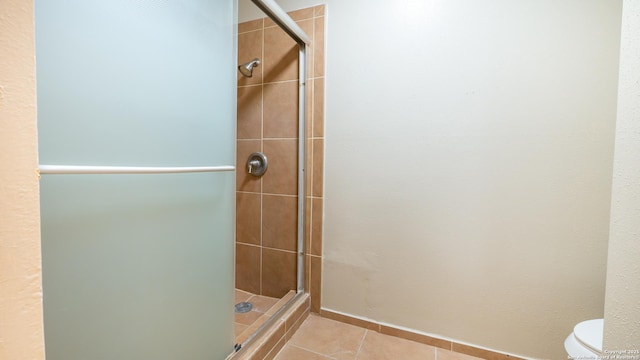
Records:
x=137, y=130
x=270, y=186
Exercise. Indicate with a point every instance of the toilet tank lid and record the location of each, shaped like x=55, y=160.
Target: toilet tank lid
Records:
x=590, y=333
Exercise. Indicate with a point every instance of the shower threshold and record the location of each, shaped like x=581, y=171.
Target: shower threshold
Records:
x=263, y=307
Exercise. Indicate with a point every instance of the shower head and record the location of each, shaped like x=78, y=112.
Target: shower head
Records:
x=246, y=69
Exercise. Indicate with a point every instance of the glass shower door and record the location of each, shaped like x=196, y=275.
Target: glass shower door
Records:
x=137, y=266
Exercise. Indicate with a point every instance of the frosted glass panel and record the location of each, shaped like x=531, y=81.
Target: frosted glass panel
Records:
x=137, y=266
x=135, y=82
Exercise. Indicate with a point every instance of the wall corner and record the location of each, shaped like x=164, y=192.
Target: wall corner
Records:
x=21, y=314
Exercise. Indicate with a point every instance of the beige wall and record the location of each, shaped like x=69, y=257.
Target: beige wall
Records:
x=622, y=304
x=469, y=150
x=21, y=329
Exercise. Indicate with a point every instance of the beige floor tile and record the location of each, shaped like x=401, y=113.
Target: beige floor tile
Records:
x=242, y=296
x=328, y=337
x=262, y=304
x=377, y=346
x=450, y=355
x=290, y=352
x=247, y=318
x=239, y=328
x=344, y=356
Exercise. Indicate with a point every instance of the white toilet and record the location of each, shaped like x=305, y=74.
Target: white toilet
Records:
x=585, y=342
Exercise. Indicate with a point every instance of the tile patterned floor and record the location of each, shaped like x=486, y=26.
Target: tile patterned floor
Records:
x=324, y=339
x=263, y=308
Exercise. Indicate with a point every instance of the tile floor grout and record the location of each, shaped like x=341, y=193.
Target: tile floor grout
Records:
x=366, y=331
x=325, y=339
x=315, y=352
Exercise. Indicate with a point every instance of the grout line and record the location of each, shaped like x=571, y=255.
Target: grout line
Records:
x=261, y=149
x=261, y=217
x=285, y=195
x=313, y=172
x=248, y=192
x=311, y=157
x=284, y=343
x=314, y=49
x=366, y=331
x=313, y=81
x=249, y=31
x=244, y=291
x=281, y=82
x=248, y=86
x=311, y=102
x=277, y=249
x=281, y=138
x=247, y=244
x=308, y=251
x=311, y=351
x=307, y=268
x=296, y=21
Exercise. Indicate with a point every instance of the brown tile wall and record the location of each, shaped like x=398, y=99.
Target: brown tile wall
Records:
x=266, y=213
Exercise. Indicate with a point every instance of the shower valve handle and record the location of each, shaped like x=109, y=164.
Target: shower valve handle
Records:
x=253, y=163
x=257, y=164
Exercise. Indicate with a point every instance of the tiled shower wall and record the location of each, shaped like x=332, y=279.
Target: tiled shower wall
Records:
x=267, y=122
